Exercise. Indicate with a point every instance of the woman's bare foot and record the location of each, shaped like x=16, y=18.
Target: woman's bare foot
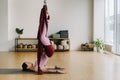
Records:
x=59, y=68
x=54, y=68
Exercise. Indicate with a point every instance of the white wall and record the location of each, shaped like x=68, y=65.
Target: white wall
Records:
x=3, y=25
x=73, y=15
x=98, y=31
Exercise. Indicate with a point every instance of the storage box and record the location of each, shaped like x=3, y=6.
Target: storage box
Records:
x=56, y=35
x=63, y=34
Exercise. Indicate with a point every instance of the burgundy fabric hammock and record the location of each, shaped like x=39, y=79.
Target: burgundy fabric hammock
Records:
x=41, y=48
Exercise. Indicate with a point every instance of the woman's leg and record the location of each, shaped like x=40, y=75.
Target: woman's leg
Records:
x=44, y=39
x=43, y=61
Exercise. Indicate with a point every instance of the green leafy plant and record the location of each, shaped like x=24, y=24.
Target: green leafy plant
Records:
x=19, y=31
x=99, y=43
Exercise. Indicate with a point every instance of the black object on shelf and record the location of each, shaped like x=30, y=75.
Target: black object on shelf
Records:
x=63, y=34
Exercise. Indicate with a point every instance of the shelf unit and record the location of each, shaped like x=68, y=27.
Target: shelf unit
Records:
x=30, y=44
x=25, y=44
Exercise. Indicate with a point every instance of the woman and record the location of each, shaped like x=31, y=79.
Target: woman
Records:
x=45, y=48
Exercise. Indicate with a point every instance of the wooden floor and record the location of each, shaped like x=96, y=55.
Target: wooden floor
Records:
x=79, y=66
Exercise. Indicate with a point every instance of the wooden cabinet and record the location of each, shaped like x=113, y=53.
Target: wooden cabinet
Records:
x=30, y=44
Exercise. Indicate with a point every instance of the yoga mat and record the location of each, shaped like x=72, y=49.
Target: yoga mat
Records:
x=19, y=71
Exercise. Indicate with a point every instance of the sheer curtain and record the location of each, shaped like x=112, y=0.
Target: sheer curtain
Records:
x=112, y=24
x=118, y=26
x=109, y=22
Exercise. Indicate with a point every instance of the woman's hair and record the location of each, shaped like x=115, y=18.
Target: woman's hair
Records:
x=24, y=67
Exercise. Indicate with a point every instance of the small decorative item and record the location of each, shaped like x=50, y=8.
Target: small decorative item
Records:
x=60, y=47
x=29, y=46
x=33, y=46
x=87, y=46
x=25, y=46
x=19, y=32
x=20, y=45
x=99, y=44
x=65, y=45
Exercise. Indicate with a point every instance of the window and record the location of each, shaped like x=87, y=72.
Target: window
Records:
x=109, y=21
x=112, y=24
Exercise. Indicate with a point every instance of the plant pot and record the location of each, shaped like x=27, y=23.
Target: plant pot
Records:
x=99, y=50
x=19, y=35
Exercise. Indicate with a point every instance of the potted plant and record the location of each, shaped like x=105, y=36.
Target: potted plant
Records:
x=99, y=44
x=19, y=32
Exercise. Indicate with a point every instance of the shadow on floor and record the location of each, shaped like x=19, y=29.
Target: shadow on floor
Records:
x=14, y=71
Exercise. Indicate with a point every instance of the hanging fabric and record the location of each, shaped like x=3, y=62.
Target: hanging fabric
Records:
x=41, y=48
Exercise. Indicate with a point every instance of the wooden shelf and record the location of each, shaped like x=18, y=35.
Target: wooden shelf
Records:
x=25, y=38
x=27, y=42
x=58, y=38
x=26, y=49
x=31, y=41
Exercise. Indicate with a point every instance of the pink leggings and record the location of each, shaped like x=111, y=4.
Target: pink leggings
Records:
x=44, y=39
x=43, y=61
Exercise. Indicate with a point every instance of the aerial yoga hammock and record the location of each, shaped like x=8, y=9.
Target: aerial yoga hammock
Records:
x=45, y=48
